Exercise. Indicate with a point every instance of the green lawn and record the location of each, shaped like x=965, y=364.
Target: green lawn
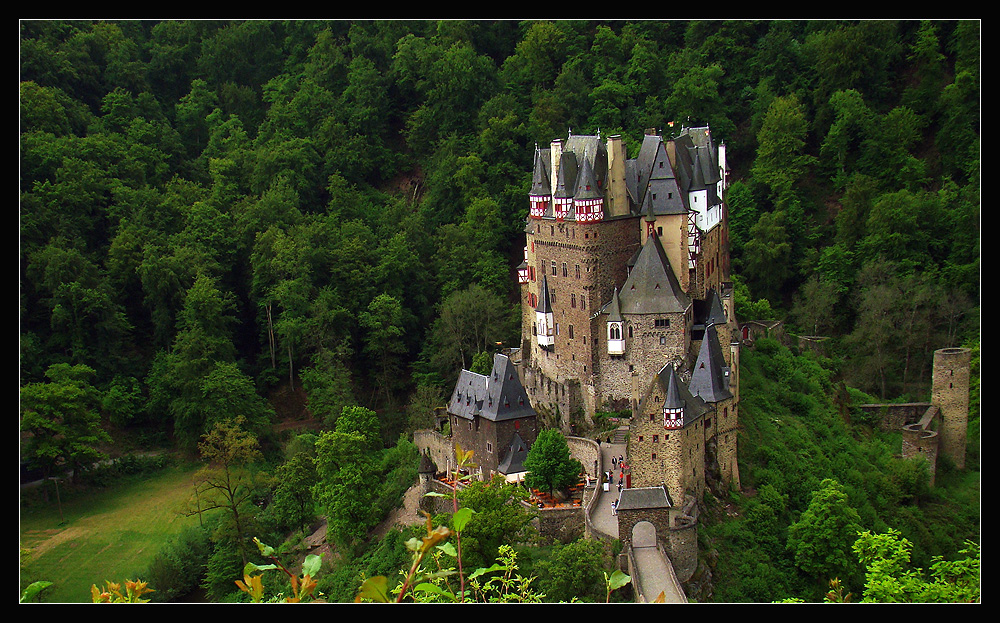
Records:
x=109, y=534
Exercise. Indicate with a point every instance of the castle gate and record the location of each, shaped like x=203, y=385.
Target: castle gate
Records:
x=644, y=535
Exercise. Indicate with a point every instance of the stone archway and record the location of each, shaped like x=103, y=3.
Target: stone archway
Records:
x=644, y=534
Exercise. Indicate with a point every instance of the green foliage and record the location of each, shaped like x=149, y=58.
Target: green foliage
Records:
x=573, y=572
x=549, y=463
x=500, y=519
x=179, y=565
x=889, y=577
x=62, y=421
x=229, y=481
x=822, y=537
x=177, y=177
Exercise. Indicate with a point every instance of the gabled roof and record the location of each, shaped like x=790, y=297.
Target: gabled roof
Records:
x=651, y=286
x=709, y=380
x=697, y=161
x=657, y=184
x=497, y=397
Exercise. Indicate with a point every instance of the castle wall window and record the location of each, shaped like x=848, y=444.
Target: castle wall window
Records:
x=572, y=299
x=663, y=340
x=656, y=439
x=553, y=268
x=583, y=302
x=577, y=271
x=565, y=272
x=571, y=336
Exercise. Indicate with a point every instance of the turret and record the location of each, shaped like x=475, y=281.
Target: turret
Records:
x=541, y=189
x=673, y=404
x=616, y=336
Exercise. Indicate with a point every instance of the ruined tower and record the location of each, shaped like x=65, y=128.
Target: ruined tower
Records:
x=950, y=393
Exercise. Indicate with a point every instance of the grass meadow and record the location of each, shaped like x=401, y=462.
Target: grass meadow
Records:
x=106, y=534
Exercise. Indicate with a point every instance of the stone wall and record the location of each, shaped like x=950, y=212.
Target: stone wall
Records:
x=437, y=446
x=713, y=262
x=895, y=416
x=587, y=452
x=561, y=525
x=681, y=540
x=674, y=457
x=918, y=440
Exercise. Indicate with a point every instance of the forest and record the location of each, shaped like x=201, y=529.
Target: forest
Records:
x=317, y=222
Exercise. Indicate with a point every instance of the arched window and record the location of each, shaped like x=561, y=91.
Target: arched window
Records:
x=615, y=332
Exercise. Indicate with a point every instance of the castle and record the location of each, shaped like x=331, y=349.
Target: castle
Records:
x=627, y=303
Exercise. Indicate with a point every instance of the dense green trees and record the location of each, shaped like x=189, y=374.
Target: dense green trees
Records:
x=61, y=421
x=293, y=162
x=549, y=463
x=211, y=210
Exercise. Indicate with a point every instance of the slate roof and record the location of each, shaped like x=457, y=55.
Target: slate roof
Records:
x=716, y=314
x=544, y=303
x=644, y=497
x=697, y=162
x=668, y=384
x=582, y=172
x=657, y=184
x=614, y=308
x=513, y=457
x=709, y=380
x=497, y=397
x=540, y=175
x=651, y=286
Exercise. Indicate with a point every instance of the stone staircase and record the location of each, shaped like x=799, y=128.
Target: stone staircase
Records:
x=620, y=433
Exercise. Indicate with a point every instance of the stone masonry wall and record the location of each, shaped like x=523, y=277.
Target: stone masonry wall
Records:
x=588, y=260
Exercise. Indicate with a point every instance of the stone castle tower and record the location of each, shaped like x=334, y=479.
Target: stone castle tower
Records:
x=950, y=394
x=625, y=281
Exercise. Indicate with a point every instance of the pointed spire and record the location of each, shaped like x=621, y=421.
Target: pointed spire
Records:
x=673, y=398
x=710, y=380
x=716, y=314
x=540, y=176
x=544, y=304
x=615, y=311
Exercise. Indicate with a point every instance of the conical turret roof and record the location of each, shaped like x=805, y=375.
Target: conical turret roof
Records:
x=544, y=304
x=540, y=174
x=709, y=380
